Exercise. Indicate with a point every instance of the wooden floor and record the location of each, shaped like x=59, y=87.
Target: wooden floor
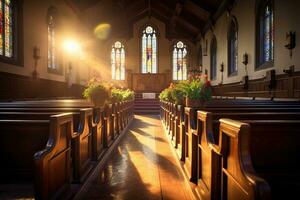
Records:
x=142, y=167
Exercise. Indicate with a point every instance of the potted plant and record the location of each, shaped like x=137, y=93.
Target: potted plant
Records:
x=177, y=93
x=116, y=95
x=128, y=95
x=96, y=92
x=166, y=95
x=197, y=91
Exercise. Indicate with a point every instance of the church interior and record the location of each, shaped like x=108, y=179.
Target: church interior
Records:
x=149, y=99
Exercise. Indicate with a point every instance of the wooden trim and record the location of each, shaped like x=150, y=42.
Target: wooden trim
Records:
x=18, y=44
x=287, y=87
x=18, y=87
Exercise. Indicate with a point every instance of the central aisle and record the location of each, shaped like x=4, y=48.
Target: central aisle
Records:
x=142, y=167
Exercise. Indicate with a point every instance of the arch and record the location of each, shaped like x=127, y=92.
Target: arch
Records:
x=264, y=33
x=213, y=58
x=232, y=44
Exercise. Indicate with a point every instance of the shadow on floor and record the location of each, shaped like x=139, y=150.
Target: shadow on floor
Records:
x=132, y=172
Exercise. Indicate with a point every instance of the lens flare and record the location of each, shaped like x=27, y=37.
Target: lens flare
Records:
x=71, y=46
x=102, y=31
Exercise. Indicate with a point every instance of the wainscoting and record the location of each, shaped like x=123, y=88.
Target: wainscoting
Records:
x=286, y=87
x=17, y=87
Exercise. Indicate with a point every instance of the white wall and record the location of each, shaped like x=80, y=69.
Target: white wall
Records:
x=286, y=16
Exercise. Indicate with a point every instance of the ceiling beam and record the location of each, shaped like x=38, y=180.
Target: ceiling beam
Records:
x=188, y=25
x=213, y=18
x=196, y=10
x=204, y=5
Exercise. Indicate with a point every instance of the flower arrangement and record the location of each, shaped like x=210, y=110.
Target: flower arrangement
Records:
x=96, y=92
x=196, y=91
x=197, y=88
x=177, y=93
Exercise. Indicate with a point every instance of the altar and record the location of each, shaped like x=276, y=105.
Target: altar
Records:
x=147, y=83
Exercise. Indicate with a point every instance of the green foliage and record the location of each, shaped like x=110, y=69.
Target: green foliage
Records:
x=177, y=93
x=166, y=95
x=96, y=92
x=118, y=95
x=196, y=88
x=128, y=95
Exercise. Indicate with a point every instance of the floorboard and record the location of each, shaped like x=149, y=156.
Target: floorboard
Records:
x=141, y=167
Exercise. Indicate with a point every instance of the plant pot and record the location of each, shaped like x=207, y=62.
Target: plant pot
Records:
x=97, y=101
x=193, y=103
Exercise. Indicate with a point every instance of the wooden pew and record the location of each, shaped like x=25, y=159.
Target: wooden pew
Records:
x=84, y=119
x=19, y=145
x=116, y=118
x=190, y=135
x=207, y=136
x=81, y=145
x=256, y=152
x=98, y=136
x=84, y=125
x=60, y=106
x=180, y=135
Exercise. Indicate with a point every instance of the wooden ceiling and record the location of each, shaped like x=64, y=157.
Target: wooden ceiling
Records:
x=183, y=18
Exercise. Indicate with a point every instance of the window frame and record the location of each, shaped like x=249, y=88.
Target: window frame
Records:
x=17, y=35
x=187, y=58
x=122, y=47
x=143, y=28
x=215, y=49
x=52, y=11
x=259, y=40
x=232, y=32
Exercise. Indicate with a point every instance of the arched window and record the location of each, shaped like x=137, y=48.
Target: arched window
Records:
x=180, y=61
x=118, y=61
x=232, y=48
x=6, y=28
x=213, y=58
x=149, y=50
x=265, y=33
x=52, y=59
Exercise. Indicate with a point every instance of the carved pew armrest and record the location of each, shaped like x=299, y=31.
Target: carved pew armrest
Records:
x=41, y=159
x=234, y=141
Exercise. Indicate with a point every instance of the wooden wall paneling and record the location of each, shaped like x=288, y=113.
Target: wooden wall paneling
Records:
x=286, y=87
x=17, y=87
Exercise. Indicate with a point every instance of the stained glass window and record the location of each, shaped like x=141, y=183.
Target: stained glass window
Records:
x=118, y=61
x=232, y=48
x=265, y=40
x=52, y=61
x=149, y=50
x=6, y=28
x=213, y=59
x=180, y=61
x=268, y=34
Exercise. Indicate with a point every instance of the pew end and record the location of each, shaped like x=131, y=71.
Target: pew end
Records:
x=239, y=179
x=52, y=168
